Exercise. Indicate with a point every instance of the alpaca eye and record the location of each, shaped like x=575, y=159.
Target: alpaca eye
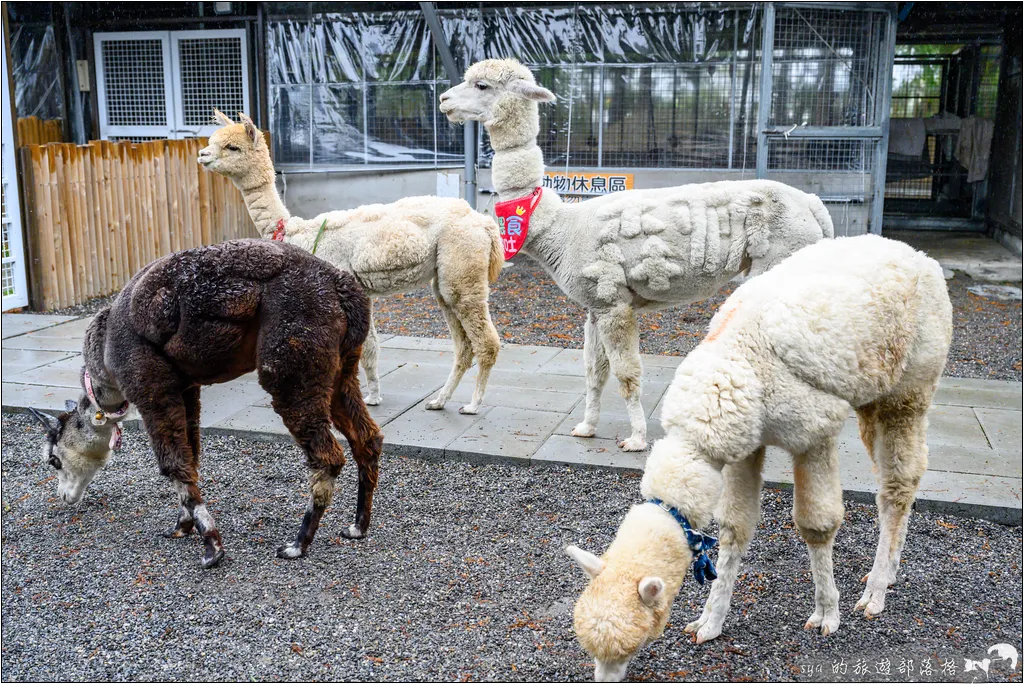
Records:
x=482, y=86
x=234, y=148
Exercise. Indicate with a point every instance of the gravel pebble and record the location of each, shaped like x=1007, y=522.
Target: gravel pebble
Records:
x=461, y=578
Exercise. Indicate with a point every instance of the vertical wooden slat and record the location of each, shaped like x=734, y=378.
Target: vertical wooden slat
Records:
x=60, y=243
x=132, y=189
x=76, y=247
x=160, y=209
x=95, y=166
x=41, y=235
x=204, y=205
x=90, y=256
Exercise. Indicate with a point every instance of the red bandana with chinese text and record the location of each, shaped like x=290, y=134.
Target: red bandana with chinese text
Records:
x=514, y=221
x=278, y=235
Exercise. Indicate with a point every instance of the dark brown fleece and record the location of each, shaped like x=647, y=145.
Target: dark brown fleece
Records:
x=211, y=314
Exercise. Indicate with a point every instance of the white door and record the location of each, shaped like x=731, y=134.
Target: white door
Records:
x=166, y=84
x=12, y=271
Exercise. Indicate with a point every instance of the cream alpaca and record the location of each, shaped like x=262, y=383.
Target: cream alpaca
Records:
x=863, y=322
x=390, y=248
x=631, y=251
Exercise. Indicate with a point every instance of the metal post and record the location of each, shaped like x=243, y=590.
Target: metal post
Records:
x=732, y=84
x=455, y=76
x=882, y=104
x=764, y=105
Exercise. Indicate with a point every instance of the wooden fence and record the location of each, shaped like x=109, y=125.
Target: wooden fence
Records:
x=97, y=213
x=36, y=131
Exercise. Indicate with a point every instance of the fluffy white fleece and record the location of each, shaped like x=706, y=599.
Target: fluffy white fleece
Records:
x=635, y=250
x=863, y=322
x=390, y=248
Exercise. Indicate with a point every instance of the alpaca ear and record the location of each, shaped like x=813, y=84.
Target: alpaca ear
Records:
x=591, y=564
x=70, y=406
x=530, y=91
x=650, y=590
x=222, y=118
x=250, y=127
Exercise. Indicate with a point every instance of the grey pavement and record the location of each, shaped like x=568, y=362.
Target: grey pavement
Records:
x=535, y=397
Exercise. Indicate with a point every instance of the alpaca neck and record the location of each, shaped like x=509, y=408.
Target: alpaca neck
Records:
x=104, y=384
x=518, y=164
x=264, y=204
x=676, y=474
x=518, y=168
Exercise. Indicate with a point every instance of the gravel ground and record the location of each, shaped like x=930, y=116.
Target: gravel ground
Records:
x=463, y=587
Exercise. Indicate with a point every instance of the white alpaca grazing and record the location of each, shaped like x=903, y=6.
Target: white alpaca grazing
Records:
x=389, y=248
x=863, y=322
x=629, y=251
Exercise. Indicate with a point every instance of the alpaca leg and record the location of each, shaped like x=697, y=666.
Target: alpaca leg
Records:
x=818, y=513
x=190, y=397
x=476, y=322
x=621, y=339
x=896, y=428
x=738, y=512
x=596, y=364
x=463, y=352
x=301, y=384
x=350, y=416
x=371, y=350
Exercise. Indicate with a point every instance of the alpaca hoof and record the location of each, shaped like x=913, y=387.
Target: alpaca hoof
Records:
x=826, y=622
x=872, y=602
x=469, y=410
x=372, y=400
x=708, y=632
x=289, y=552
x=353, y=532
x=176, y=532
x=633, y=444
x=584, y=430
x=212, y=559
x=434, y=405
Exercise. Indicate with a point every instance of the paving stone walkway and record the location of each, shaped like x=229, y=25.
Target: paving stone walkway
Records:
x=535, y=397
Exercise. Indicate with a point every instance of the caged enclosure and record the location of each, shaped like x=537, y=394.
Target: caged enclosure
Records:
x=670, y=93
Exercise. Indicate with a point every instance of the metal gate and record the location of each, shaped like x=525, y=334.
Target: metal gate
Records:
x=12, y=271
x=165, y=84
x=824, y=105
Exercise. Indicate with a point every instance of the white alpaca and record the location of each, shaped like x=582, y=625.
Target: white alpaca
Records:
x=863, y=322
x=630, y=251
x=390, y=248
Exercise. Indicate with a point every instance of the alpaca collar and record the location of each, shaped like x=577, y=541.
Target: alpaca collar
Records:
x=514, y=221
x=278, y=235
x=699, y=543
x=102, y=416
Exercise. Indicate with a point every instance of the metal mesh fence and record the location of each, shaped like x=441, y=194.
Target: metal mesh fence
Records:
x=212, y=75
x=840, y=172
x=134, y=82
x=825, y=66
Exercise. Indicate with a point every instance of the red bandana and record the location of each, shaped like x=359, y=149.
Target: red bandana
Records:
x=278, y=231
x=514, y=221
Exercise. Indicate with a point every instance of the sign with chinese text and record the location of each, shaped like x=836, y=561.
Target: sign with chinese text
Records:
x=583, y=185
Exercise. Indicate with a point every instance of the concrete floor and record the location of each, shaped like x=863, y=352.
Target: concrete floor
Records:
x=978, y=256
x=535, y=397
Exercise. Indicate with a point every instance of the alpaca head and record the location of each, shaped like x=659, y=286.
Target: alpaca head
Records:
x=627, y=602
x=238, y=151
x=75, y=447
x=501, y=93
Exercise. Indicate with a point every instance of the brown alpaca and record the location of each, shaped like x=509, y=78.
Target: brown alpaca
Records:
x=209, y=315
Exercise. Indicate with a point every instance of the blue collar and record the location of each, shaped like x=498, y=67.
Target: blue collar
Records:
x=699, y=543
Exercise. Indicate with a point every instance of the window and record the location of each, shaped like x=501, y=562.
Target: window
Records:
x=166, y=84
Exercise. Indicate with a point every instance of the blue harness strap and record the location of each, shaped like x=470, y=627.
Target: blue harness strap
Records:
x=699, y=543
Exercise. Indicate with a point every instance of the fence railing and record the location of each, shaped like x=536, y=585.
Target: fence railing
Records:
x=35, y=131
x=97, y=213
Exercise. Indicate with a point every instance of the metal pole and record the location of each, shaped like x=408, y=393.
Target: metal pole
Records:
x=764, y=105
x=455, y=76
x=732, y=84
x=882, y=103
